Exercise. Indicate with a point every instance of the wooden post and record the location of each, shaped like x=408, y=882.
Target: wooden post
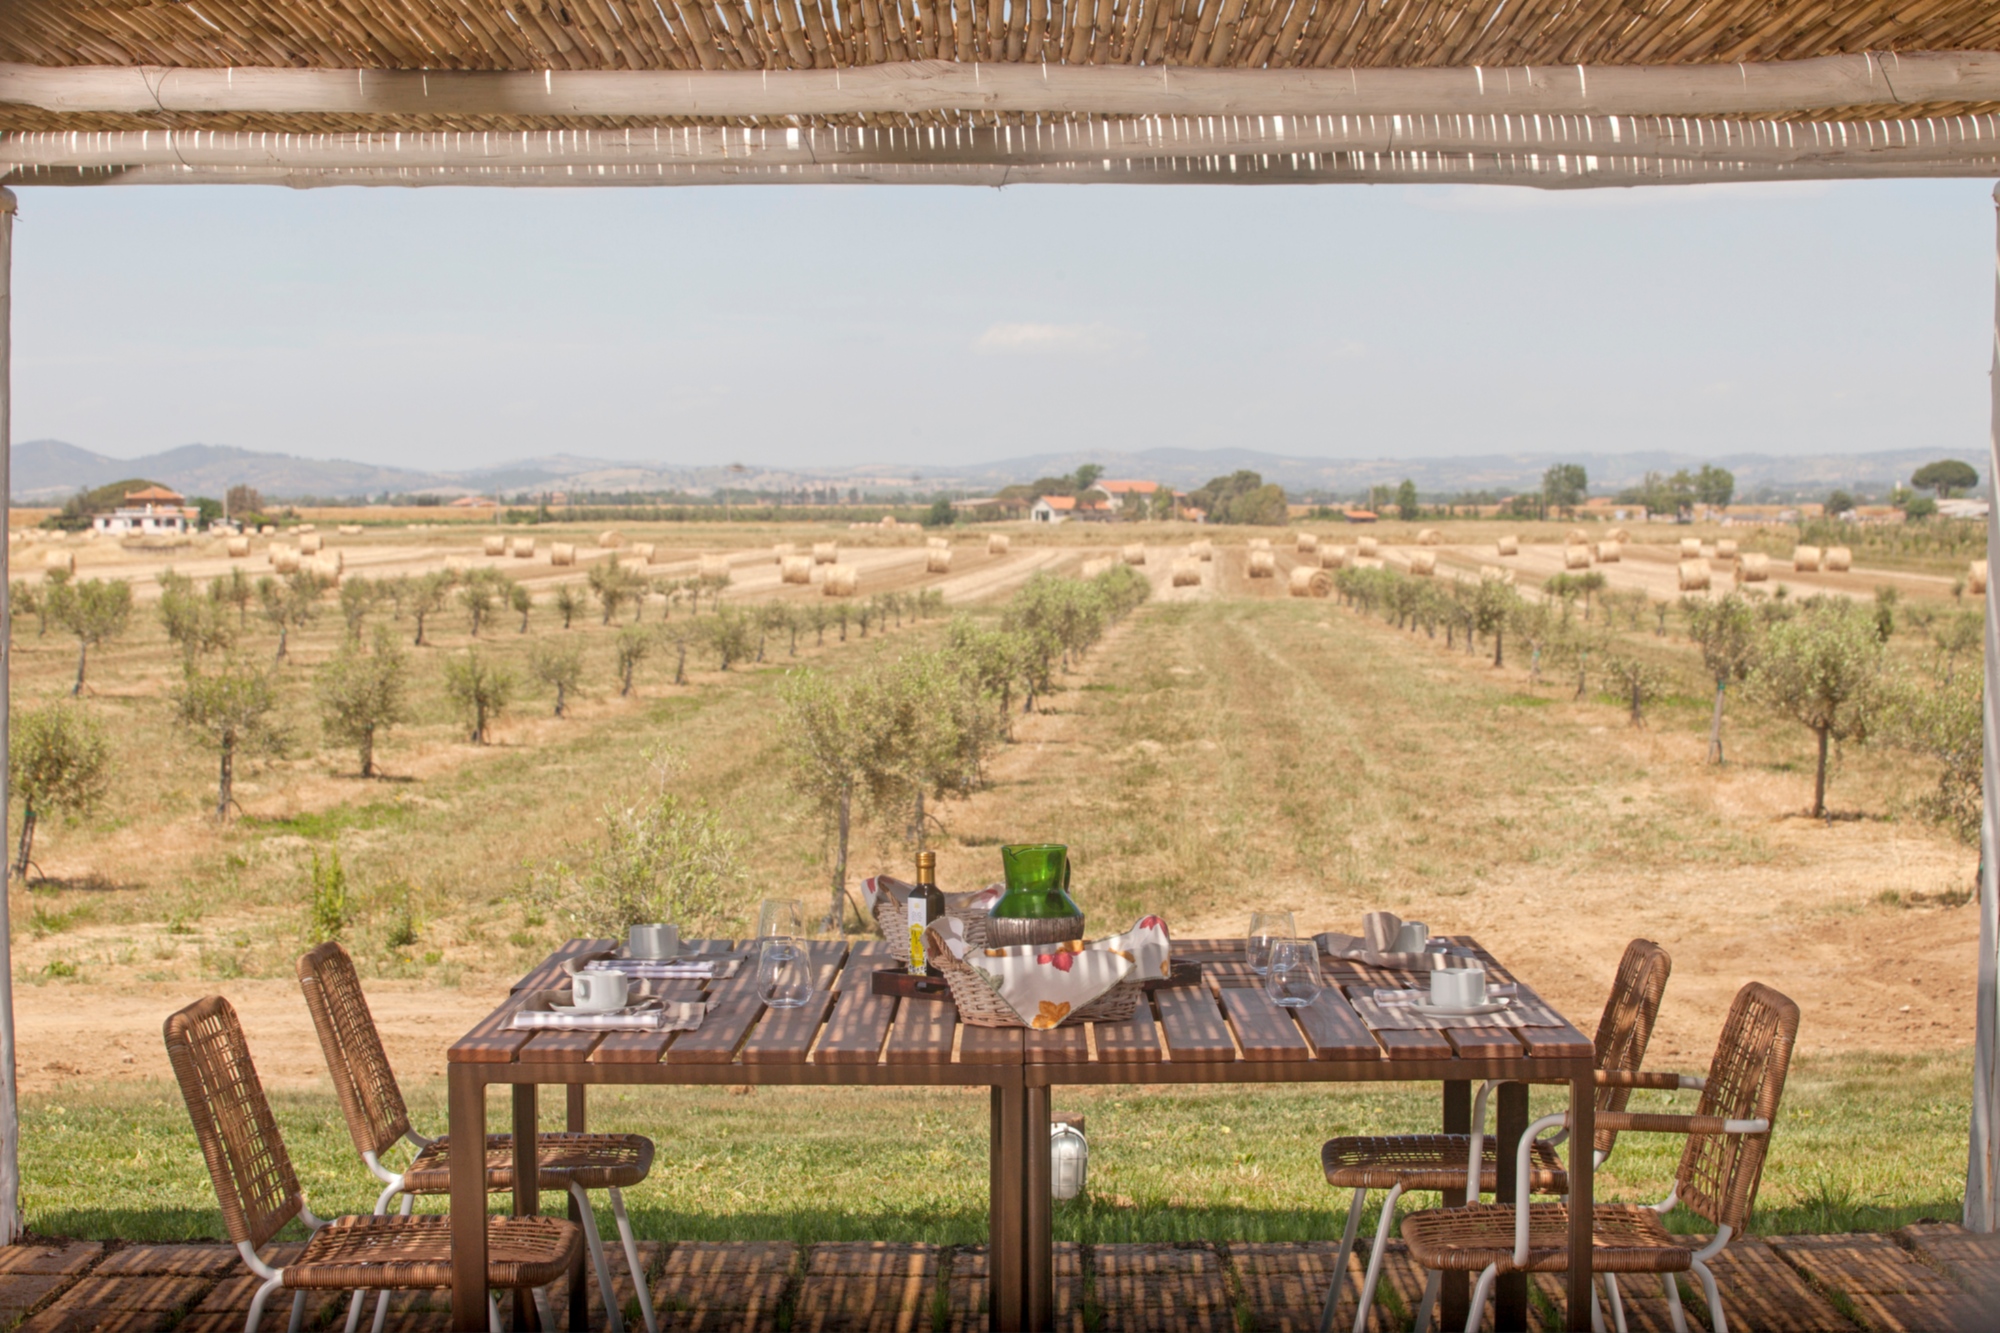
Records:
x=10, y=1117
x=1510, y=1117
x=1982, y=1174
x=1455, y=1289
x=466, y=1101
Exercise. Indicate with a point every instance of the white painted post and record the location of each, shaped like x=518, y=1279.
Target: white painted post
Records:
x=1982, y=1172
x=10, y=1111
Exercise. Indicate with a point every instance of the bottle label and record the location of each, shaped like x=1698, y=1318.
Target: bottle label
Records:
x=918, y=921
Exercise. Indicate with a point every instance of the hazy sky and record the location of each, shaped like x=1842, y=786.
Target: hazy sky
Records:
x=794, y=326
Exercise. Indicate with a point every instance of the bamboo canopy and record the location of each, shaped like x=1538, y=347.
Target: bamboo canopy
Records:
x=1557, y=93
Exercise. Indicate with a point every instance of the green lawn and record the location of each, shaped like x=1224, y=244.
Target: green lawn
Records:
x=1865, y=1143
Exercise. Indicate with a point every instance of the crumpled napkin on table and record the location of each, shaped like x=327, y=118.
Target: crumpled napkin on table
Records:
x=1046, y=983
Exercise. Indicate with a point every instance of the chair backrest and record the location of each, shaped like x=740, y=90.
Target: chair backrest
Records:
x=1627, y=1025
x=254, y=1181
x=362, y=1078
x=1719, y=1173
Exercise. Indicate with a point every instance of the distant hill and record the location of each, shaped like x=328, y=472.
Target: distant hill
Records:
x=47, y=471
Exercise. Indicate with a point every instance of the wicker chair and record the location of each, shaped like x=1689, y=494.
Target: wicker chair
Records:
x=259, y=1192
x=1445, y=1161
x=377, y=1119
x=1720, y=1167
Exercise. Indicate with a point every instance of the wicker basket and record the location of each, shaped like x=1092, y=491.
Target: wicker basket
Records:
x=980, y=1006
x=1005, y=932
x=893, y=920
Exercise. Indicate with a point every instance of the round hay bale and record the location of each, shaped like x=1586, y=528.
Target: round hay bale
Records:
x=562, y=553
x=1187, y=572
x=350, y=529
x=1690, y=548
x=1975, y=578
x=1618, y=535
x=322, y=566
x=285, y=560
x=1309, y=582
x=1508, y=546
x=1725, y=548
x=1694, y=575
x=1423, y=563
x=711, y=567
x=841, y=581
x=268, y=530
x=522, y=548
x=781, y=550
x=1837, y=560
x=63, y=560
x=493, y=545
x=1263, y=565
x=1578, y=537
x=937, y=560
x=1754, y=567
x=643, y=552
x=1805, y=559
x=937, y=543
x=1333, y=557
x=997, y=543
x=311, y=544
x=238, y=547
x=796, y=569
x=825, y=553
x=1092, y=568
x=1608, y=553
x=1202, y=549
x=304, y=527
x=1495, y=574
x=1367, y=562
x=1260, y=543
x=1134, y=554
x=610, y=541
x=1576, y=557
x=1308, y=543
x=1430, y=537
x=1364, y=546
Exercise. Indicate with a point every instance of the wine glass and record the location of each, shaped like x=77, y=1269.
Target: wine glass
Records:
x=1266, y=927
x=1293, y=979
x=781, y=916
x=784, y=972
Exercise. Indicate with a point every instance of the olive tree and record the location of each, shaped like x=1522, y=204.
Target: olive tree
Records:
x=427, y=596
x=289, y=604
x=57, y=760
x=1638, y=680
x=197, y=625
x=231, y=710
x=521, y=601
x=94, y=610
x=630, y=648
x=362, y=694
x=568, y=603
x=480, y=690
x=1726, y=631
x=1943, y=716
x=1823, y=668
x=828, y=746
x=558, y=664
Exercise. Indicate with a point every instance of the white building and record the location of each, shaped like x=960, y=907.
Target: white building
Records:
x=153, y=510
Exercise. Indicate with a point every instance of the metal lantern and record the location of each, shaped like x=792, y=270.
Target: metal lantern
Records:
x=1069, y=1160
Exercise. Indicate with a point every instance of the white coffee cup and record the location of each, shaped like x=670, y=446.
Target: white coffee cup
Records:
x=1458, y=987
x=654, y=940
x=1412, y=938
x=599, y=992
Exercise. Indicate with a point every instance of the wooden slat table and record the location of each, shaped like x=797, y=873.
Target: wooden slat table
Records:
x=1224, y=1031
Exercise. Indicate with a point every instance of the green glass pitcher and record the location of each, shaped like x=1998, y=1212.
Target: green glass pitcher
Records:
x=1037, y=882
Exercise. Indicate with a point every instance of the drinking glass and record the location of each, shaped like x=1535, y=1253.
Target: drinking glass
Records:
x=784, y=973
x=1293, y=979
x=781, y=916
x=1266, y=927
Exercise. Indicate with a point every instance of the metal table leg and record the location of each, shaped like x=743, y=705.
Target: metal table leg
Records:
x=527, y=1184
x=1455, y=1289
x=576, y=1121
x=1039, y=1216
x=1582, y=1197
x=1006, y=1260
x=466, y=1093
x=1510, y=1292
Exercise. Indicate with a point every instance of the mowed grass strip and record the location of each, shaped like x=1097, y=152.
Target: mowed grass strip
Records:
x=1864, y=1143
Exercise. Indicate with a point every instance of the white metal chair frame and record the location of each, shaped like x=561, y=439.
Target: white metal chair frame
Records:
x=392, y=1185
x=274, y=1278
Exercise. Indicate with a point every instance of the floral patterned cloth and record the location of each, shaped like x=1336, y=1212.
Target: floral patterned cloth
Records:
x=1046, y=983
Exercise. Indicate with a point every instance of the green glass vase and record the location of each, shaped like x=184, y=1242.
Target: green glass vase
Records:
x=1037, y=882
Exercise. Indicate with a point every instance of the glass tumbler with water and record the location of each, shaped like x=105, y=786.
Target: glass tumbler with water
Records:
x=1294, y=978
x=1265, y=929
x=784, y=972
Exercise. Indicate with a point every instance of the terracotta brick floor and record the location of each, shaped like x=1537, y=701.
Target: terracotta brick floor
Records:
x=1923, y=1278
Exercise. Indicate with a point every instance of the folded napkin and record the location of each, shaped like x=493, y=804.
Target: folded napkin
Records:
x=1402, y=1016
x=1501, y=991
x=651, y=1016
x=1045, y=983
x=714, y=969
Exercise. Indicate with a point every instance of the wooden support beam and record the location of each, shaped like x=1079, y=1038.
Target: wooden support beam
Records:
x=1767, y=89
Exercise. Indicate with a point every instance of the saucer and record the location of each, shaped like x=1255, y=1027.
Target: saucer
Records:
x=1459, y=1010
